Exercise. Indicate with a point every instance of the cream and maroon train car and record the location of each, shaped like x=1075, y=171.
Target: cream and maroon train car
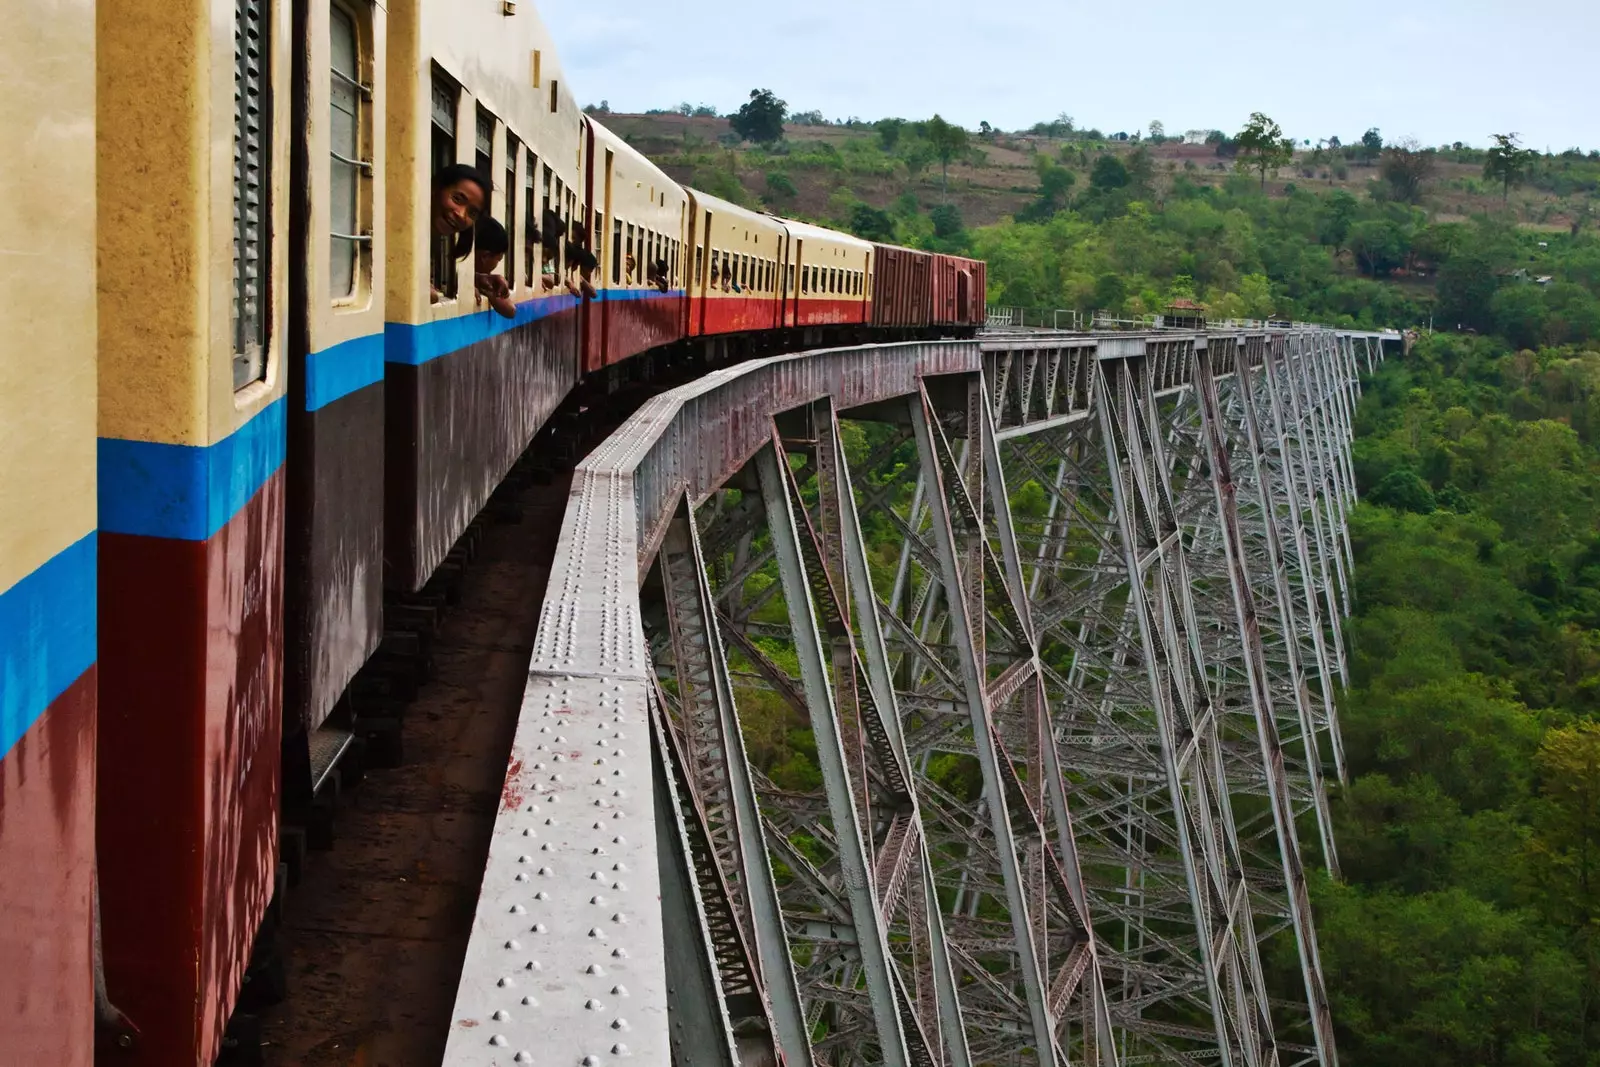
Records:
x=47, y=534
x=735, y=285
x=465, y=390
x=835, y=277
x=641, y=216
x=193, y=312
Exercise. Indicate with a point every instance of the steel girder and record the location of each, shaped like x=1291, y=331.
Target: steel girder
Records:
x=1057, y=618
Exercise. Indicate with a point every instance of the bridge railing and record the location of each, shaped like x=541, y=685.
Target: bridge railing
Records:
x=630, y=908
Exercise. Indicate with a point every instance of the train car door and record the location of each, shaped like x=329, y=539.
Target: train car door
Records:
x=592, y=335
x=705, y=287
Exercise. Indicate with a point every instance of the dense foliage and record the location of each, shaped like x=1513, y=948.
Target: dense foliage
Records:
x=1468, y=927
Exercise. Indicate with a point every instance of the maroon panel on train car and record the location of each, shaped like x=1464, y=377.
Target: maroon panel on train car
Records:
x=191, y=672
x=455, y=422
x=638, y=320
x=47, y=854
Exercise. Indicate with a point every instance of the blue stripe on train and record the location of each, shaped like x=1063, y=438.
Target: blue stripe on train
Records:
x=188, y=492
x=347, y=367
x=414, y=345
x=47, y=637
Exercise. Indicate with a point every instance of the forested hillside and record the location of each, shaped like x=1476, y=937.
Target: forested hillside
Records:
x=1470, y=835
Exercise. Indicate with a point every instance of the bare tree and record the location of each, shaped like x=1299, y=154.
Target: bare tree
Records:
x=1407, y=166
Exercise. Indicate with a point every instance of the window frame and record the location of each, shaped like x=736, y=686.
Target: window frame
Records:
x=361, y=82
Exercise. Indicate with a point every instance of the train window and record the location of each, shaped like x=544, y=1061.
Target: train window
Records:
x=616, y=252
x=349, y=167
x=632, y=259
x=446, y=97
x=699, y=263
x=252, y=169
x=554, y=96
x=530, y=222
x=805, y=280
x=513, y=149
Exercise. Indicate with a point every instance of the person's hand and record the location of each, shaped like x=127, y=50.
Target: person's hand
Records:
x=493, y=286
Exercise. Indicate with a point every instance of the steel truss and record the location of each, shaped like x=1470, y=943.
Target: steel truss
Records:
x=1052, y=621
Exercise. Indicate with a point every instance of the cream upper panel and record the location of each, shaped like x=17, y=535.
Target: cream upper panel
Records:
x=508, y=65
x=165, y=88
x=641, y=193
x=47, y=291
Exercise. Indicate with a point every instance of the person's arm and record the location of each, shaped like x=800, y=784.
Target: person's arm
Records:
x=497, y=292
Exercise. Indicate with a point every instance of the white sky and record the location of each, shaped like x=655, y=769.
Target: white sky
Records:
x=1439, y=70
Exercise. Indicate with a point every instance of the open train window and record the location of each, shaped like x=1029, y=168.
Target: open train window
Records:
x=252, y=185
x=616, y=252
x=554, y=96
x=349, y=162
x=530, y=222
x=513, y=149
x=446, y=97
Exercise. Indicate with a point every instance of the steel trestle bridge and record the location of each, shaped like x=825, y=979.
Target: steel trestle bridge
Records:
x=1059, y=615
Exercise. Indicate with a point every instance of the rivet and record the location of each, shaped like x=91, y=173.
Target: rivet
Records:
x=591, y=1061
x=523, y=1057
x=619, y=918
x=597, y=900
x=594, y=968
x=518, y=909
x=540, y=895
x=545, y=872
x=546, y=847
x=529, y=1002
x=522, y=876
x=501, y=1016
x=621, y=954
x=619, y=866
x=513, y=945
x=533, y=965
x=618, y=840
x=619, y=991
x=596, y=932
x=505, y=983
x=592, y=1005
x=619, y=1024
x=524, y=859
x=498, y=1041
x=537, y=928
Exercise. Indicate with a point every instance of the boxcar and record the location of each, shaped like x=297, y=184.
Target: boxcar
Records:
x=902, y=287
x=958, y=291
x=193, y=155
x=465, y=390
x=640, y=219
x=47, y=534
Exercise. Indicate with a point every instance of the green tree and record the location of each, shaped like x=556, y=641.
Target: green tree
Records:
x=1371, y=145
x=1158, y=131
x=948, y=141
x=1507, y=162
x=1263, y=143
x=889, y=131
x=872, y=224
x=760, y=120
x=947, y=222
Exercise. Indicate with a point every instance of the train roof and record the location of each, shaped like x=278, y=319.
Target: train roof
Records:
x=806, y=231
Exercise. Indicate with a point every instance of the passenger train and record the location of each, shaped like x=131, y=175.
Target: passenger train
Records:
x=245, y=412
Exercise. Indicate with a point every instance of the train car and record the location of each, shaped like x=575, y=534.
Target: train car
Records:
x=335, y=416
x=464, y=389
x=193, y=175
x=902, y=287
x=835, y=272
x=737, y=280
x=47, y=535
x=958, y=292
x=641, y=216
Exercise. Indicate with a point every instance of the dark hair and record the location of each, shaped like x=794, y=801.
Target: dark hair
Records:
x=492, y=237
x=455, y=174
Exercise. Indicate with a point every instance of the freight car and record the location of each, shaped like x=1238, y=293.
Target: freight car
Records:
x=233, y=458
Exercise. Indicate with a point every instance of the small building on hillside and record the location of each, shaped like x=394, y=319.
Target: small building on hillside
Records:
x=1184, y=314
